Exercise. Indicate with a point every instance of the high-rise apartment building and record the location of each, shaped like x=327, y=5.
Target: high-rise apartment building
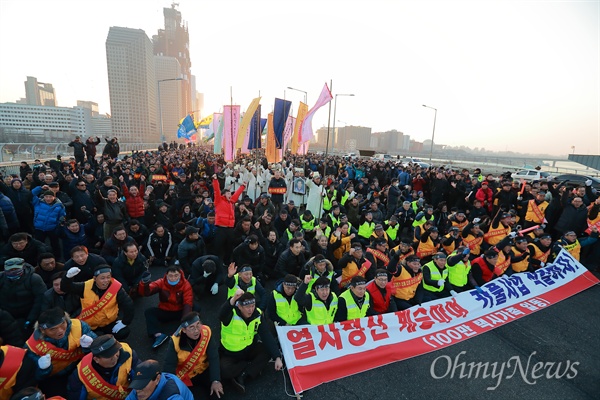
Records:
x=171, y=109
x=39, y=93
x=132, y=85
x=174, y=41
x=90, y=105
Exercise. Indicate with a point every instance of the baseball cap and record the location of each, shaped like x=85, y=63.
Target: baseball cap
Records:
x=144, y=373
x=439, y=255
x=13, y=263
x=51, y=318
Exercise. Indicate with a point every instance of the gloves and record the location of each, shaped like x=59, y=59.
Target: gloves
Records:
x=479, y=289
x=466, y=252
x=441, y=282
x=512, y=235
x=118, y=326
x=206, y=274
x=146, y=277
x=453, y=292
x=72, y=272
x=519, y=198
x=85, y=341
x=476, y=220
x=214, y=288
x=44, y=362
x=588, y=182
x=275, y=323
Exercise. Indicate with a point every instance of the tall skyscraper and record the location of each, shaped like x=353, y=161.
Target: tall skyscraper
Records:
x=174, y=41
x=39, y=93
x=171, y=109
x=132, y=85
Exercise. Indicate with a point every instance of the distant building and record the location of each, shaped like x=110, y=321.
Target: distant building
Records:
x=350, y=138
x=132, y=85
x=34, y=124
x=171, y=109
x=90, y=105
x=102, y=126
x=39, y=93
x=415, y=147
x=174, y=41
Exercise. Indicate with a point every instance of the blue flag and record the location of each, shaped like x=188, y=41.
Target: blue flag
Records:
x=187, y=128
x=254, y=137
x=280, y=115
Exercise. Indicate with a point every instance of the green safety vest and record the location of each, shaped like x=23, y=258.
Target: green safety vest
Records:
x=392, y=231
x=354, y=311
x=436, y=275
x=319, y=314
x=335, y=221
x=315, y=276
x=458, y=274
x=238, y=335
x=327, y=201
x=415, y=206
x=421, y=221
x=289, y=234
x=344, y=198
x=327, y=231
x=289, y=312
x=307, y=226
x=251, y=288
x=366, y=229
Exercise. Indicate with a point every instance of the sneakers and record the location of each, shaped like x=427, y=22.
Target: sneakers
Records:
x=239, y=383
x=159, y=340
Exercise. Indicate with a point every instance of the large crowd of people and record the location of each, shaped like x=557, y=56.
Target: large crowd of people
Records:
x=308, y=240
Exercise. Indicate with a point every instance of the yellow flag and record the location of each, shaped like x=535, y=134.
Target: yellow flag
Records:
x=302, y=111
x=246, y=122
x=271, y=145
x=206, y=120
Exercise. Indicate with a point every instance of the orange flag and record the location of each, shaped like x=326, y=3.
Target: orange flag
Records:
x=271, y=145
x=302, y=111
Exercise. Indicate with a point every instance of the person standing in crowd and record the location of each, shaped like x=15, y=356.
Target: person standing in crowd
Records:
x=225, y=217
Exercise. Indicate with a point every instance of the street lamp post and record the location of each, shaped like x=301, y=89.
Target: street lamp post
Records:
x=162, y=136
x=302, y=91
x=433, y=133
x=334, y=111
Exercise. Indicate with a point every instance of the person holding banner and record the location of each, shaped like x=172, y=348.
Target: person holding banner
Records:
x=106, y=307
x=320, y=303
x=193, y=356
x=57, y=345
x=459, y=269
x=380, y=291
x=242, y=354
x=573, y=245
x=519, y=256
x=282, y=307
x=435, y=279
x=406, y=281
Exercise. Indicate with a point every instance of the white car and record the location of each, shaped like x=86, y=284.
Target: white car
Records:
x=530, y=175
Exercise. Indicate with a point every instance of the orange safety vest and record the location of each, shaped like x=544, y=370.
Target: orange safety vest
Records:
x=13, y=359
x=592, y=222
x=60, y=358
x=494, y=236
x=427, y=249
x=404, y=286
x=449, y=249
x=536, y=213
x=473, y=243
x=99, y=311
x=378, y=255
x=521, y=265
x=97, y=387
x=351, y=270
x=541, y=255
x=502, y=264
x=460, y=225
x=195, y=362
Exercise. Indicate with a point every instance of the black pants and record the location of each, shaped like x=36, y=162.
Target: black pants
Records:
x=121, y=335
x=252, y=360
x=203, y=381
x=155, y=317
x=42, y=235
x=402, y=304
x=223, y=243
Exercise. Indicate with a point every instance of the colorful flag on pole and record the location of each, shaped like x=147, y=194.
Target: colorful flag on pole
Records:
x=272, y=152
x=280, y=114
x=256, y=128
x=306, y=132
x=231, y=123
x=205, y=122
x=246, y=122
x=186, y=128
x=218, y=126
x=288, y=131
x=302, y=111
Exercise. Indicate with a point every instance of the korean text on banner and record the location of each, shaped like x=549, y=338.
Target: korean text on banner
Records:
x=231, y=123
x=318, y=354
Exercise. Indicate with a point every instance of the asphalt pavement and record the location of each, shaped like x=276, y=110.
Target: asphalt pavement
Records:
x=566, y=334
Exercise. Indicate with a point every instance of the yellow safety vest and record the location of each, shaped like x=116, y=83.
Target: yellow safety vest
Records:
x=404, y=286
x=354, y=311
x=521, y=265
x=366, y=229
x=392, y=231
x=308, y=226
x=238, y=334
x=287, y=311
x=458, y=274
x=436, y=275
x=319, y=314
x=574, y=248
x=109, y=311
x=236, y=286
x=327, y=201
x=199, y=364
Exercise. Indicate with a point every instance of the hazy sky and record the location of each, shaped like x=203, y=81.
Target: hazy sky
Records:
x=520, y=75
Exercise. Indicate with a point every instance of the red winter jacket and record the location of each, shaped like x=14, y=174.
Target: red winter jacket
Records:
x=170, y=298
x=224, y=209
x=134, y=204
x=380, y=304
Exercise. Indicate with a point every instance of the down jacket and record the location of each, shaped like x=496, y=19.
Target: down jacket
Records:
x=46, y=216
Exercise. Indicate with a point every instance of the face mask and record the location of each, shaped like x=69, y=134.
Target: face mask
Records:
x=14, y=274
x=207, y=274
x=174, y=283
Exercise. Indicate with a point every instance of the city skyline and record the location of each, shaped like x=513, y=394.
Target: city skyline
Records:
x=523, y=74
